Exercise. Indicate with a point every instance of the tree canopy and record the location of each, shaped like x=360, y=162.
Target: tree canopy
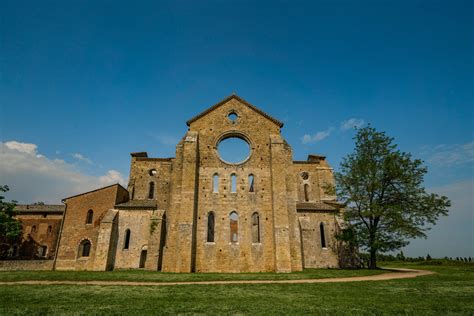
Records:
x=382, y=189
x=10, y=227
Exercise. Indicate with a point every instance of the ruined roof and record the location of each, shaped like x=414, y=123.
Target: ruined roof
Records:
x=141, y=204
x=39, y=208
x=233, y=96
x=315, y=206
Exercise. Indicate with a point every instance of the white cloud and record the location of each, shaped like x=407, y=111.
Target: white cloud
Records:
x=444, y=155
x=307, y=139
x=82, y=158
x=22, y=147
x=112, y=176
x=34, y=177
x=352, y=123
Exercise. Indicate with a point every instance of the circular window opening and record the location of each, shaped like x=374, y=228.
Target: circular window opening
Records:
x=152, y=172
x=233, y=116
x=233, y=149
x=304, y=175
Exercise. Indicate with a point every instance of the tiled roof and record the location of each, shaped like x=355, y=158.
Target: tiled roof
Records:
x=233, y=96
x=36, y=208
x=143, y=204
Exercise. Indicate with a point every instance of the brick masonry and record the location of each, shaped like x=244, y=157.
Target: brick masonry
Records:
x=165, y=208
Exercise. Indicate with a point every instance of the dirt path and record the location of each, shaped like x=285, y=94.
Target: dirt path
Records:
x=396, y=274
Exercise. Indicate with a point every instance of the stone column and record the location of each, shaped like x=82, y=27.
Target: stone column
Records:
x=281, y=229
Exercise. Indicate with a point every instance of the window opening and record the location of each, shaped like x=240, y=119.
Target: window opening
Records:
x=151, y=191
x=233, y=180
x=234, y=227
x=210, y=227
x=255, y=228
x=216, y=183
x=85, y=248
x=251, y=183
x=306, y=193
x=90, y=216
x=323, y=236
x=126, y=243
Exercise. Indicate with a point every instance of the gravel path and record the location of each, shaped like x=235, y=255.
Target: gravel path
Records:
x=396, y=274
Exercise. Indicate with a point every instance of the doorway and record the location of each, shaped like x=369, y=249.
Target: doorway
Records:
x=142, y=259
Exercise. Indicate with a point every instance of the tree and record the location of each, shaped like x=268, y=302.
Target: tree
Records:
x=401, y=256
x=382, y=190
x=428, y=257
x=10, y=227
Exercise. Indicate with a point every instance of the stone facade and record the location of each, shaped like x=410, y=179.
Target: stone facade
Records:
x=196, y=212
x=40, y=225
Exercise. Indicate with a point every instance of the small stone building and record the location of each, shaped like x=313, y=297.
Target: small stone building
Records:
x=250, y=209
x=40, y=225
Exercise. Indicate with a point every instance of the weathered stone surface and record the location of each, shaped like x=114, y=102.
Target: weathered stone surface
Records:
x=167, y=206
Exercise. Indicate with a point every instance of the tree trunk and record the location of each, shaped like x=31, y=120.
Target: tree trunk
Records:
x=373, y=259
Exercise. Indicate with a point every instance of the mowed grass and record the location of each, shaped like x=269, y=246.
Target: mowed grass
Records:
x=449, y=292
x=152, y=276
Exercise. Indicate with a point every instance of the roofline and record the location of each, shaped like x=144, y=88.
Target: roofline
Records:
x=106, y=187
x=154, y=159
x=234, y=96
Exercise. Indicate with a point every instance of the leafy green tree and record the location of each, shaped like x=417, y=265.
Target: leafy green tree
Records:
x=382, y=189
x=10, y=227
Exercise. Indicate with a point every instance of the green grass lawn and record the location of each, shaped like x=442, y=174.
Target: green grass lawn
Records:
x=449, y=292
x=152, y=276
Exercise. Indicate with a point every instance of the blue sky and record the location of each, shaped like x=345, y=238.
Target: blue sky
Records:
x=84, y=83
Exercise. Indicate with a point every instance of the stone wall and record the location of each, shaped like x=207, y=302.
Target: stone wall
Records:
x=138, y=222
x=32, y=265
x=76, y=229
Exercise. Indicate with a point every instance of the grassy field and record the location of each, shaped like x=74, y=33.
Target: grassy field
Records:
x=151, y=276
x=449, y=292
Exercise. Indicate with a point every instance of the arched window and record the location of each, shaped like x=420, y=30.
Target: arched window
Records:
x=84, y=248
x=90, y=216
x=210, y=227
x=233, y=183
x=215, y=183
x=132, y=195
x=126, y=242
x=234, y=227
x=255, y=228
x=251, y=183
x=151, y=191
x=50, y=229
x=306, y=193
x=323, y=236
x=33, y=229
